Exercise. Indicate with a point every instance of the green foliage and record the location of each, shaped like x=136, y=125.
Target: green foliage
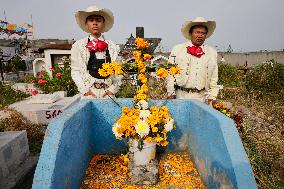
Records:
x=9, y=95
x=61, y=80
x=15, y=64
x=266, y=80
x=127, y=89
x=229, y=75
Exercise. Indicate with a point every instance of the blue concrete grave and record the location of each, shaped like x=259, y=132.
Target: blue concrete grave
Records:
x=85, y=129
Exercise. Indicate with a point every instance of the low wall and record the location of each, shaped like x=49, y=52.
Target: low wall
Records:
x=86, y=128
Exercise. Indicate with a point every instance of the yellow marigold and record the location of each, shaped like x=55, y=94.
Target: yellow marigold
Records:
x=148, y=139
x=162, y=73
x=142, y=78
x=154, y=129
x=137, y=54
x=143, y=70
x=164, y=143
x=144, y=88
x=141, y=96
x=103, y=73
x=140, y=65
x=147, y=57
x=141, y=43
x=174, y=70
x=154, y=109
x=125, y=109
x=106, y=66
x=110, y=71
x=159, y=139
x=164, y=108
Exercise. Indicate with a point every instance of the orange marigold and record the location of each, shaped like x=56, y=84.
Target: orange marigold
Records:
x=162, y=73
x=174, y=70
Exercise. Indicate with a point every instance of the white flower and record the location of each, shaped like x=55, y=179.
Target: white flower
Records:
x=115, y=130
x=142, y=128
x=142, y=104
x=144, y=114
x=169, y=125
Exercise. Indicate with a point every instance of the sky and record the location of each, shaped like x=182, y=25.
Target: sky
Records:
x=246, y=25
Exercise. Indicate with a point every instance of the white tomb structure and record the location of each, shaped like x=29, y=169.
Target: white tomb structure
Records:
x=53, y=55
x=42, y=108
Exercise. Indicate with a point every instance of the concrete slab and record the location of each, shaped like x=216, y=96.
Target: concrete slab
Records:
x=22, y=176
x=43, y=113
x=14, y=149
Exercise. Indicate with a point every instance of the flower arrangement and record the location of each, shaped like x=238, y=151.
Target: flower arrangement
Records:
x=237, y=116
x=61, y=79
x=141, y=122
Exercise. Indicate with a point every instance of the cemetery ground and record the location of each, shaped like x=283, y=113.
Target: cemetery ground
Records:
x=259, y=94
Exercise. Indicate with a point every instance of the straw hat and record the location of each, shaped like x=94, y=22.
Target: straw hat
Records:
x=93, y=10
x=211, y=25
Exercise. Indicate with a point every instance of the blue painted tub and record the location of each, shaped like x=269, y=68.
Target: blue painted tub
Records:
x=85, y=129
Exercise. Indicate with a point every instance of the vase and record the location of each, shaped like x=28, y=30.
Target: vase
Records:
x=143, y=156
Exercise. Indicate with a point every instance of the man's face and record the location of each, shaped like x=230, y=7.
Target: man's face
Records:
x=198, y=35
x=95, y=24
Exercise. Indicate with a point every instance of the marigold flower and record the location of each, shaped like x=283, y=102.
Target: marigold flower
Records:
x=164, y=143
x=136, y=54
x=162, y=73
x=125, y=109
x=158, y=139
x=148, y=139
x=147, y=57
x=144, y=88
x=103, y=73
x=155, y=129
x=141, y=43
x=140, y=96
x=174, y=70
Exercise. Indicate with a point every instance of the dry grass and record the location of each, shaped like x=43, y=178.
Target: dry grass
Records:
x=262, y=135
x=16, y=122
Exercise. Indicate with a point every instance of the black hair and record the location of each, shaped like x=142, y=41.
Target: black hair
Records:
x=192, y=28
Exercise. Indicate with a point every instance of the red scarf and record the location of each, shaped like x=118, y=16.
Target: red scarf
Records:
x=97, y=45
x=195, y=51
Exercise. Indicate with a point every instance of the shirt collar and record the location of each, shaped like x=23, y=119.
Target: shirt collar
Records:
x=102, y=38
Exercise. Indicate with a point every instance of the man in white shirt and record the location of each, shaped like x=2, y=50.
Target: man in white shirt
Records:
x=198, y=62
x=88, y=54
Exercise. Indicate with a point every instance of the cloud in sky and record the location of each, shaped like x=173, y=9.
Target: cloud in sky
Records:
x=247, y=25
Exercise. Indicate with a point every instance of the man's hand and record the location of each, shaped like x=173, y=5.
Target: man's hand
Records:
x=89, y=93
x=108, y=93
x=171, y=97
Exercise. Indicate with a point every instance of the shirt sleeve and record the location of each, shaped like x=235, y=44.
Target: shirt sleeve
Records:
x=213, y=79
x=79, y=72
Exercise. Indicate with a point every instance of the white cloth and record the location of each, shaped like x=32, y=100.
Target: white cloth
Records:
x=197, y=73
x=79, y=60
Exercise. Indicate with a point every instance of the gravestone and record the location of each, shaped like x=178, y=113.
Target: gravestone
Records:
x=14, y=150
x=42, y=108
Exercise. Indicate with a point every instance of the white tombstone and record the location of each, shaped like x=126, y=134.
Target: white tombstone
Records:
x=51, y=57
x=41, y=109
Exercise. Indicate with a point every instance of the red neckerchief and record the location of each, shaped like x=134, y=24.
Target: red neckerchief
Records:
x=97, y=45
x=195, y=51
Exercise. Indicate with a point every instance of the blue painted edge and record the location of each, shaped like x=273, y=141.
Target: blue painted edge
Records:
x=44, y=173
x=242, y=169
